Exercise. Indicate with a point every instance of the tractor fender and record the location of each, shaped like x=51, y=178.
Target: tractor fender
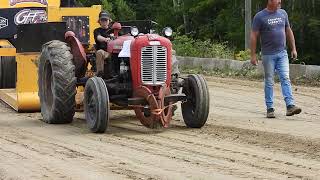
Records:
x=78, y=52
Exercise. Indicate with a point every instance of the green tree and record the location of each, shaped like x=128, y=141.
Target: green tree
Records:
x=106, y=6
x=122, y=11
x=220, y=20
x=119, y=9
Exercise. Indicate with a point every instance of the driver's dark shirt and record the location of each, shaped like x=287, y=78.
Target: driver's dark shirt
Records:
x=104, y=33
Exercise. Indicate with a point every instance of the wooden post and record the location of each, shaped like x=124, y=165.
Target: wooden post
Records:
x=247, y=23
x=174, y=3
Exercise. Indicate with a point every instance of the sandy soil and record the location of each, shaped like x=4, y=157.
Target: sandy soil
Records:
x=238, y=142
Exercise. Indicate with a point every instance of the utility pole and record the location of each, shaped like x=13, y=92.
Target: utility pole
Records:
x=247, y=23
x=174, y=3
x=180, y=5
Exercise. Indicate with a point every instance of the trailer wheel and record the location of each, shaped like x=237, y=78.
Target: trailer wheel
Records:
x=195, y=110
x=8, y=72
x=96, y=105
x=57, y=83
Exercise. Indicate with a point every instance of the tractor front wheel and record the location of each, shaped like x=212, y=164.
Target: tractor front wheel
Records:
x=57, y=83
x=196, y=109
x=96, y=105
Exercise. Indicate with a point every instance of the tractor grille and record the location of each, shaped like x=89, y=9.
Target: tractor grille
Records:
x=153, y=65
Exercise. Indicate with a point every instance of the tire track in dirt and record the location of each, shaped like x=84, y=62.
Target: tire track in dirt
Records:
x=51, y=148
x=240, y=103
x=178, y=140
x=306, y=147
x=127, y=166
x=225, y=153
x=19, y=163
x=229, y=148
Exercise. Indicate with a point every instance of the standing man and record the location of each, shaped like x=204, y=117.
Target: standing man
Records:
x=272, y=26
x=102, y=38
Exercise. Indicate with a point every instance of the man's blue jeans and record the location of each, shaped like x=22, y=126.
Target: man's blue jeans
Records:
x=277, y=63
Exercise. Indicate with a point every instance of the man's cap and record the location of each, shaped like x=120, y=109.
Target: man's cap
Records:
x=104, y=15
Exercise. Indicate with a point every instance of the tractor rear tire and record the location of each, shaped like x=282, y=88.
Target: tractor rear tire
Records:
x=57, y=83
x=195, y=110
x=96, y=105
x=8, y=72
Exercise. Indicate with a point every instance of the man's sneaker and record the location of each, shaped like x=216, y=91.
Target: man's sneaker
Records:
x=292, y=110
x=270, y=113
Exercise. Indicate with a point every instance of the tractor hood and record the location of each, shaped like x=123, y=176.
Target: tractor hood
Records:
x=150, y=40
x=116, y=45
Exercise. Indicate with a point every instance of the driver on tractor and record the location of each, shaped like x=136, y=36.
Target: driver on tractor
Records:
x=102, y=38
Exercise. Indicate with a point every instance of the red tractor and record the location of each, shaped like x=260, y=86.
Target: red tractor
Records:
x=141, y=78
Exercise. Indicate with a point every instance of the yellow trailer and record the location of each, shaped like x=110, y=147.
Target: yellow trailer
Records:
x=18, y=81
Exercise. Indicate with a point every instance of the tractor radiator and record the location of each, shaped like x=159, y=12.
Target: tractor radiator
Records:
x=154, y=65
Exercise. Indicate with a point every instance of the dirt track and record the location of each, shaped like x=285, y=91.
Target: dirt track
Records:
x=238, y=142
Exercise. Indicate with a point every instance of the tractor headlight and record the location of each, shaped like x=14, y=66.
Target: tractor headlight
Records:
x=134, y=31
x=167, y=31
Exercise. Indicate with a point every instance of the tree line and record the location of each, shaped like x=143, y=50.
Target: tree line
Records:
x=221, y=20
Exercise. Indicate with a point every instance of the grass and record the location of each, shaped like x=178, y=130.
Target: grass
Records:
x=250, y=74
x=247, y=74
x=186, y=46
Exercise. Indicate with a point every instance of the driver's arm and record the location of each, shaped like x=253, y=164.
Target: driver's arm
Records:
x=103, y=39
x=98, y=37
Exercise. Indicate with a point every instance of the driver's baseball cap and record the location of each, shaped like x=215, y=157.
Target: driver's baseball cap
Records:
x=104, y=15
